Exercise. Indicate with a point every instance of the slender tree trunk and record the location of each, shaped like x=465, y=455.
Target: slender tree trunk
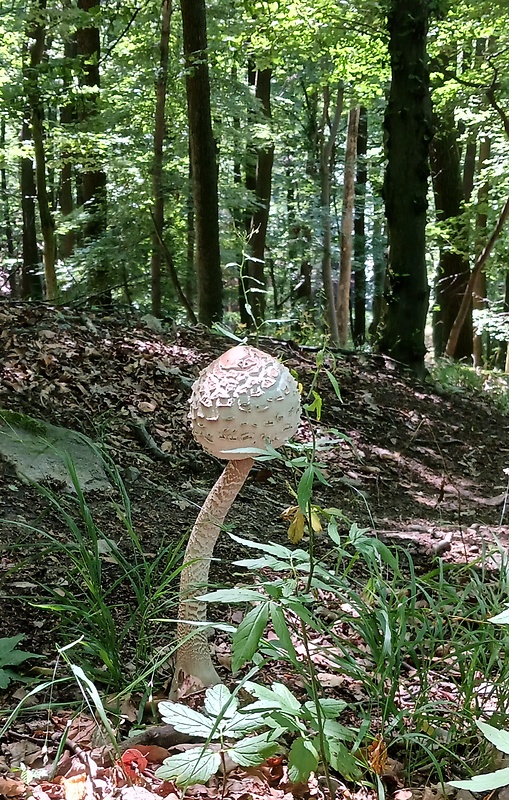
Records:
x=67, y=119
x=256, y=283
x=93, y=181
x=479, y=265
x=345, y=266
x=379, y=250
x=359, y=245
x=157, y=165
x=7, y=224
x=408, y=134
x=326, y=166
x=31, y=283
x=479, y=292
x=203, y=162
x=36, y=33
x=453, y=269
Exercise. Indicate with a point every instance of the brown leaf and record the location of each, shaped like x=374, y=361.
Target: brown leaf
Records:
x=148, y=408
x=11, y=788
x=153, y=752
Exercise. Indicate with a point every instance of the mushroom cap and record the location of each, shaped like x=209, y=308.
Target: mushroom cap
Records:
x=245, y=398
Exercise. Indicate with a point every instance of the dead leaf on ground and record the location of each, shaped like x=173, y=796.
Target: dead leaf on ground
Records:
x=11, y=788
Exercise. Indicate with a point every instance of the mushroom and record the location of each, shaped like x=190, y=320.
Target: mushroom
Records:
x=244, y=399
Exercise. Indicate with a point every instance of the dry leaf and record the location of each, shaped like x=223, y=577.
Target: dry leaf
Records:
x=153, y=752
x=75, y=787
x=148, y=408
x=11, y=788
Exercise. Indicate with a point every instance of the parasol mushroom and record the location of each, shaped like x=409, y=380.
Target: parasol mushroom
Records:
x=244, y=399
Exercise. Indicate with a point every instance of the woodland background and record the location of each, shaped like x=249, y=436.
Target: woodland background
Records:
x=263, y=161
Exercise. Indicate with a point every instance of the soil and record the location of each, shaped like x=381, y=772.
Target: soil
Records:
x=418, y=464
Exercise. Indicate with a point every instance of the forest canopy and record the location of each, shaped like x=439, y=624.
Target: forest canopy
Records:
x=333, y=168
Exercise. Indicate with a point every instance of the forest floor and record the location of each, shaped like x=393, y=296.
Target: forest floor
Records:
x=421, y=466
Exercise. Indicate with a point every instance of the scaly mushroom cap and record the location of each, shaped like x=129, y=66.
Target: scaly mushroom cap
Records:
x=245, y=398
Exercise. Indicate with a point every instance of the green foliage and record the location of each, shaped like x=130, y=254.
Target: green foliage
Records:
x=10, y=656
x=453, y=377
x=118, y=642
x=388, y=620
x=222, y=722
x=23, y=421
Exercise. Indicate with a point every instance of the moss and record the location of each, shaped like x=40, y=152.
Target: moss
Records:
x=23, y=421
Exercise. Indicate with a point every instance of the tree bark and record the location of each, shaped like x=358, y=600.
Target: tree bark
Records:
x=31, y=282
x=67, y=240
x=93, y=181
x=379, y=250
x=157, y=165
x=453, y=269
x=203, y=162
x=255, y=273
x=345, y=265
x=37, y=33
x=479, y=291
x=11, y=277
x=408, y=134
x=359, y=244
x=326, y=165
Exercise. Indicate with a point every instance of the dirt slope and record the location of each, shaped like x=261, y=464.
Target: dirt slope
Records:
x=419, y=465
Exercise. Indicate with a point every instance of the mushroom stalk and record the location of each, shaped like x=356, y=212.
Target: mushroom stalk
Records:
x=194, y=669
x=239, y=403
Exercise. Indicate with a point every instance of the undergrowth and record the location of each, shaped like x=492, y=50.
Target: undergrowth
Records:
x=453, y=376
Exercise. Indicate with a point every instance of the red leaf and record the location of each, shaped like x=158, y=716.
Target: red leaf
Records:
x=134, y=763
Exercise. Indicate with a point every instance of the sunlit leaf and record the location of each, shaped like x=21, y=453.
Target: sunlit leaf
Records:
x=247, y=636
x=192, y=766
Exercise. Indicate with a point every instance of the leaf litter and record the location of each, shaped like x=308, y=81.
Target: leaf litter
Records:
x=430, y=467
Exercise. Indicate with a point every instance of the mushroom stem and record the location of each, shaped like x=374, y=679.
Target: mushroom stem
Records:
x=194, y=669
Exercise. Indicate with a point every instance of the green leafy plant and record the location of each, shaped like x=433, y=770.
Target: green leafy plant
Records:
x=223, y=723
x=101, y=569
x=306, y=722
x=10, y=656
x=490, y=780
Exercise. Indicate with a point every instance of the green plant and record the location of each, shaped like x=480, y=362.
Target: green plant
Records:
x=223, y=722
x=490, y=780
x=10, y=656
x=307, y=722
x=114, y=592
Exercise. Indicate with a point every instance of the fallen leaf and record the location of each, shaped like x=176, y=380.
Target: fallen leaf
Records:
x=148, y=408
x=153, y=752
x=11, y=788
x=134, y=763
x=75, y=787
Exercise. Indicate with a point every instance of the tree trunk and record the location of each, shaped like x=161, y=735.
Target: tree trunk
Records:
x=250, y=161
x=255, y=273
x=326, y=165
x=10, y=278
x=31, y=283
x=36, y=33
x=345, y=266
x=478, y=266
x=359, y=244
x=93, y=181
x=408, y=133
x=157, y=165
x=203, y=162
x=479, y=293
x=453, y=270
x=379, y=250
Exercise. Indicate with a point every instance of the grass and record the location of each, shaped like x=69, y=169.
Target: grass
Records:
x=453, y=376
x=114, y=593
